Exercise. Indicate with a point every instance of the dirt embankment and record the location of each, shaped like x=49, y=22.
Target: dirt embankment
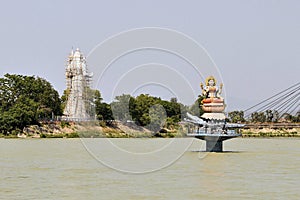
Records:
x=90, y=129
x=269, y=132
x=116, y=129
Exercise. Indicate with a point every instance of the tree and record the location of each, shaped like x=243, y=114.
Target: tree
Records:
x=174, y=111
x=24, y=100
x=258, y=117
x=140, y=109
x=157, y=116
x=173, y=100
x=121, y=107
x=148, y=111
x=196, y=108
x=275, y=115
x=64, y=99
x=269, y=115
x=97, y=99
x=236, y=116
x=104, y=112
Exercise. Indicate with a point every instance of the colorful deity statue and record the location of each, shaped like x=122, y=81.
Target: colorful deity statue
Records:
x=211, y=90
x=213, y=102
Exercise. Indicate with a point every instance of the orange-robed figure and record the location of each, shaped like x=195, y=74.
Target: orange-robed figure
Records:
x=212, y=102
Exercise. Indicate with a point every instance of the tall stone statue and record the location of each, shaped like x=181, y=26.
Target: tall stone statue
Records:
x=78, y=83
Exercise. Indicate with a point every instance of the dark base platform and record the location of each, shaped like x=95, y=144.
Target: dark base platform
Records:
x=214, y=142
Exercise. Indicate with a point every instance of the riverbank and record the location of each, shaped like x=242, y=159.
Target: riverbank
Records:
x=268, y=132
x=63, y=129
x=95, y=129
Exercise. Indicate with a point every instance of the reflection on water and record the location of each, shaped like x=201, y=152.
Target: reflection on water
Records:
x=63, y=169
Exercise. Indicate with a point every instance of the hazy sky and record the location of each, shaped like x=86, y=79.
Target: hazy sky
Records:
x=255, y=44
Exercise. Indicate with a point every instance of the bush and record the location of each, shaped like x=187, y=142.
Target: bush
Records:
x=64, y=124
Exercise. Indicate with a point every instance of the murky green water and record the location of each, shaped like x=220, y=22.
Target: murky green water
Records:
x=64, y=169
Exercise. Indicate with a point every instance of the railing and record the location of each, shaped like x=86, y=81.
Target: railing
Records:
x=272, y=125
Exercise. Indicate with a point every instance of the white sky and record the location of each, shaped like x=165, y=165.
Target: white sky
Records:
x=255, y=44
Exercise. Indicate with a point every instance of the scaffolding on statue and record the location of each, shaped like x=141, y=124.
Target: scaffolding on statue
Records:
x=79, y=105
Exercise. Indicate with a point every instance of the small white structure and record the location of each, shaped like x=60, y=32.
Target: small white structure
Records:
x=78, y=106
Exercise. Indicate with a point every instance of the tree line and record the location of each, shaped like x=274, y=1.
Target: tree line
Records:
x=264, y=116
x=27, y=100
x=145, y=110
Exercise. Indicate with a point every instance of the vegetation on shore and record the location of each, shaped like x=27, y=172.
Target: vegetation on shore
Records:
x=29, y=104
x=30, y=100
x=267, y=132
x=25, y=100
x=269, y=116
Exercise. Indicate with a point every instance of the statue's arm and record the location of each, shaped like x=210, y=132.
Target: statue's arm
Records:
x=203, y=90
x=220, y=90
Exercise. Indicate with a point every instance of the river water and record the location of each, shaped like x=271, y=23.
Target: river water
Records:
x=250, y=168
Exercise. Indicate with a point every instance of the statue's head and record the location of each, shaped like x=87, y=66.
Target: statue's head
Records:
x=210, y=81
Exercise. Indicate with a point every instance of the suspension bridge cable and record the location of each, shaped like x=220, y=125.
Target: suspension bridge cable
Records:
x=284, y=109
x=276, y=101
x=284, y=104
x=290, y=96
x=272, y=97
x=296, y=108
x=292, y=104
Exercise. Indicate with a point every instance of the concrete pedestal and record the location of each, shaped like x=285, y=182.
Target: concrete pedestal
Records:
x=214, y=146
x=214, y=143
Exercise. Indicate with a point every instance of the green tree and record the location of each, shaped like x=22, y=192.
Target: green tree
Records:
x=97, y=99
x=64, y=99
x=236, y=116
x=196, y=108
x=121, y=107
x=157, y=116
x=141, y=107
x=104, y=112
x=24, y=100
x=258, y=117
x=148, y=111
x=174, y=111
x=275, y=115
x=269, y=115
